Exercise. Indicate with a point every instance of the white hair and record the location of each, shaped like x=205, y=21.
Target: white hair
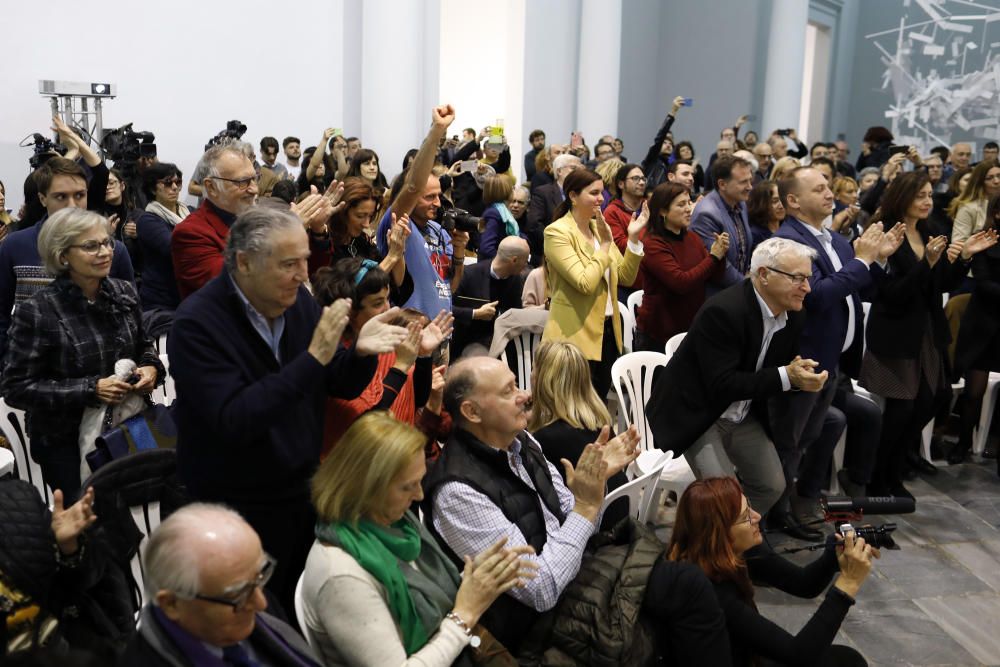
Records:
x=749, y=157
x=207, y=164
x=768, y=252
x=564, y=160
x=170, y=563
x=251, y=233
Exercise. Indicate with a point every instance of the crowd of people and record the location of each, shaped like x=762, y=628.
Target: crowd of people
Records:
x=346, y=428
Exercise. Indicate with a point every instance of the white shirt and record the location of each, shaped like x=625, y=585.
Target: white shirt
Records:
x=737, y=411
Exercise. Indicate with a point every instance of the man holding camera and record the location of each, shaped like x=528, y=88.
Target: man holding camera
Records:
x=434, y=258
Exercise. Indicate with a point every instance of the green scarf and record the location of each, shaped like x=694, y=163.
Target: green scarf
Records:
x=418, y=598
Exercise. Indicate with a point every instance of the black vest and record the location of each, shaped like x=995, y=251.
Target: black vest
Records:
x=467, y=460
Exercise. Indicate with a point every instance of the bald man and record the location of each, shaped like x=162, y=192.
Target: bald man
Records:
x=488, y=288
x=204, y=576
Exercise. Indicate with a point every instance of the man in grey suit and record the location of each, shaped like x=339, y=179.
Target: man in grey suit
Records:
x=725, y=210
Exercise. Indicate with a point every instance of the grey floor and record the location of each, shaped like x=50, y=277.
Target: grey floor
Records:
x=936, y=601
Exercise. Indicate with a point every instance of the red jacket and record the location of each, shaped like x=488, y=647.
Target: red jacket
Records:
x=675, y=271
x=618, y=216
x=196, y=247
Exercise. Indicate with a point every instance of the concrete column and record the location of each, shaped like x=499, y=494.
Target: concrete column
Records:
x=599, y=69
x=785, y=58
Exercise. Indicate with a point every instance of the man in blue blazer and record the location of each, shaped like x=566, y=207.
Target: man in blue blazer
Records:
x=725, y=210
x=833, y=334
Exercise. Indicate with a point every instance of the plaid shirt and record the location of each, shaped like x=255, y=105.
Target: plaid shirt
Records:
x=61, y=345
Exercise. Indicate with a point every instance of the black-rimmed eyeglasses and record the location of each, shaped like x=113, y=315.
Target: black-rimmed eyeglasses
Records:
x=239, y=595
x=797, y=278
x=240, y=183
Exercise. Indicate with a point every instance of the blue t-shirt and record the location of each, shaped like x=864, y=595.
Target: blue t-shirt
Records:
x=428, y=261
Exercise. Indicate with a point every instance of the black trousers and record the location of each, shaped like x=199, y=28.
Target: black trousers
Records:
x=600, y=371
x=60, y=470
x=286, y=530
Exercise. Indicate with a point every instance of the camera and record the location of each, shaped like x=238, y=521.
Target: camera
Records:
x=44, y=149
x=896, y=150
x=879, y=537
x=234, y=130
x=460, y=219
x=783, y=133
x=125, y=147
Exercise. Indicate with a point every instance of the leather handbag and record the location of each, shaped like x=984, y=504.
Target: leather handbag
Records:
x=152, y=428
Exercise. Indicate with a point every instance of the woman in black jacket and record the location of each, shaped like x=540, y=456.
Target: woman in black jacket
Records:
x=717, y=530
x=907, y=331
x=65, y=340
x=978, y=349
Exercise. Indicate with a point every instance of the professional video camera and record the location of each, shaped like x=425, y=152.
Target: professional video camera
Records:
x=234, y=130
x=44, y=149
x=460, y=219
x=843, y=511
x=124, y=146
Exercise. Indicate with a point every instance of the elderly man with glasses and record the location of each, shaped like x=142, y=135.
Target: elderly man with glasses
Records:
x=204, y=575
x=710, y=401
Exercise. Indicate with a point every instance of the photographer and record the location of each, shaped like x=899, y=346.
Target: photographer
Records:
x=433, y=257
x=718, y=530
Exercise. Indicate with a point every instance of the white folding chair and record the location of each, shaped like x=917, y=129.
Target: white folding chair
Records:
x=7, y=463
x=673, y=344
x=641, y=491
x=633, y=303
x=300, y=613
x=17, y=435
x=524, y=351
x=628, y=326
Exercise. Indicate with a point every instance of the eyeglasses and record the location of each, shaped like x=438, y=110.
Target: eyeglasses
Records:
x=94, y=247
x=170, y=182
x=239, y=595
x=240, y=183
x=637, y=179
x=797, y=279
x=745, y=519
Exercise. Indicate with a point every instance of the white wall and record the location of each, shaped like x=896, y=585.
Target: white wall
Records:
x=183, y=69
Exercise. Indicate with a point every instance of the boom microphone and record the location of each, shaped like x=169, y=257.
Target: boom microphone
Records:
x=869, y=505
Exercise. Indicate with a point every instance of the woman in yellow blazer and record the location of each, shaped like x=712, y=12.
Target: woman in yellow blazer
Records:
x=584, y=271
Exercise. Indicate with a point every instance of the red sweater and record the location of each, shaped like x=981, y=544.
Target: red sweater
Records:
x=674, y=271
x=618, y=216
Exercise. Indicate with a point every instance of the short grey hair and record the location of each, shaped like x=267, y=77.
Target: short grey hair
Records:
x=564, y=160
x=768, y=252
x=521, y=188
x=206, y=166
x=251, y=233
x=867, y=170
x=169, y=562
x=60, y=231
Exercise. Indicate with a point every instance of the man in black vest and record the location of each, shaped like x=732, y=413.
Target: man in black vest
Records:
x=492, y=481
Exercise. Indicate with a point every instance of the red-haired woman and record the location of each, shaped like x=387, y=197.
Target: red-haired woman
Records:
x=717, y=530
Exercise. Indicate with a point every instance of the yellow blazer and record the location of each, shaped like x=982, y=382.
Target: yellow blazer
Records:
x=578, y=289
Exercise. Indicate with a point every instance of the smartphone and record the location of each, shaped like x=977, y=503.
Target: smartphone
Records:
x=497, y=130
x=576, y=139
x=896, y=150
x=468, y=166
x=688, y=102
x=781, y=133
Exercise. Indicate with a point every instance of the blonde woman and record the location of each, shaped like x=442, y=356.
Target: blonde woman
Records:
x=783, y=167
x=608, y=170
x=567, y=414
x=969, y=208
x=377, y=588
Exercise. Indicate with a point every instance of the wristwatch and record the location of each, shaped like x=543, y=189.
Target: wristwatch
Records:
x=474, y=641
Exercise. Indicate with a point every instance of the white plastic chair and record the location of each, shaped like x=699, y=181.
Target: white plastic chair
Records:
x=524, y=346
x=635, y=372
x=14, y=430
x=674, y=343
x=300, y=613
x=628, y=326
x=7, y=463
x=986, y=414
x=642, y=492
x=161, y=344
x=167, y=392
x=633, y=303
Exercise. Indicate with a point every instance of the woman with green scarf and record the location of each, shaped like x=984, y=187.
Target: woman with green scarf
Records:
x=377, y=589
x=498, y=221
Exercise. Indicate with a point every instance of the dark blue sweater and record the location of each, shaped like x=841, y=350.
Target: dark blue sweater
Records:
x=159, y=287
x=249, y=428
x=22, y=273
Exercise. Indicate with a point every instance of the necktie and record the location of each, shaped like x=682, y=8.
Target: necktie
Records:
x=741, y=240
x=235, y=655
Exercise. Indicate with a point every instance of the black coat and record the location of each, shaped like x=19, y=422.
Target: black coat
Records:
x=716, y=365
x=545, y=199
x=473, y=292
x=981, y=323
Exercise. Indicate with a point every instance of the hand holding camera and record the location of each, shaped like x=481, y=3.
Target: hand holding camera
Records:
x=854, y=556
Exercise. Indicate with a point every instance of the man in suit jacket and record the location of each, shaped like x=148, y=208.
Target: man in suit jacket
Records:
x=205, y=570
x=545, y=200
x=741, y=350
x=725, y=210
x=230, y=188
x=833, y=334
x=488, y=288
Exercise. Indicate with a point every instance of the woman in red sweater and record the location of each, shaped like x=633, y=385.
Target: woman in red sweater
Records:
x=675, y=268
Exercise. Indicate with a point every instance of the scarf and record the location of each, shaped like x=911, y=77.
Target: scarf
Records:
x=418, y=597
x=508, y=219
x=161, y=211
